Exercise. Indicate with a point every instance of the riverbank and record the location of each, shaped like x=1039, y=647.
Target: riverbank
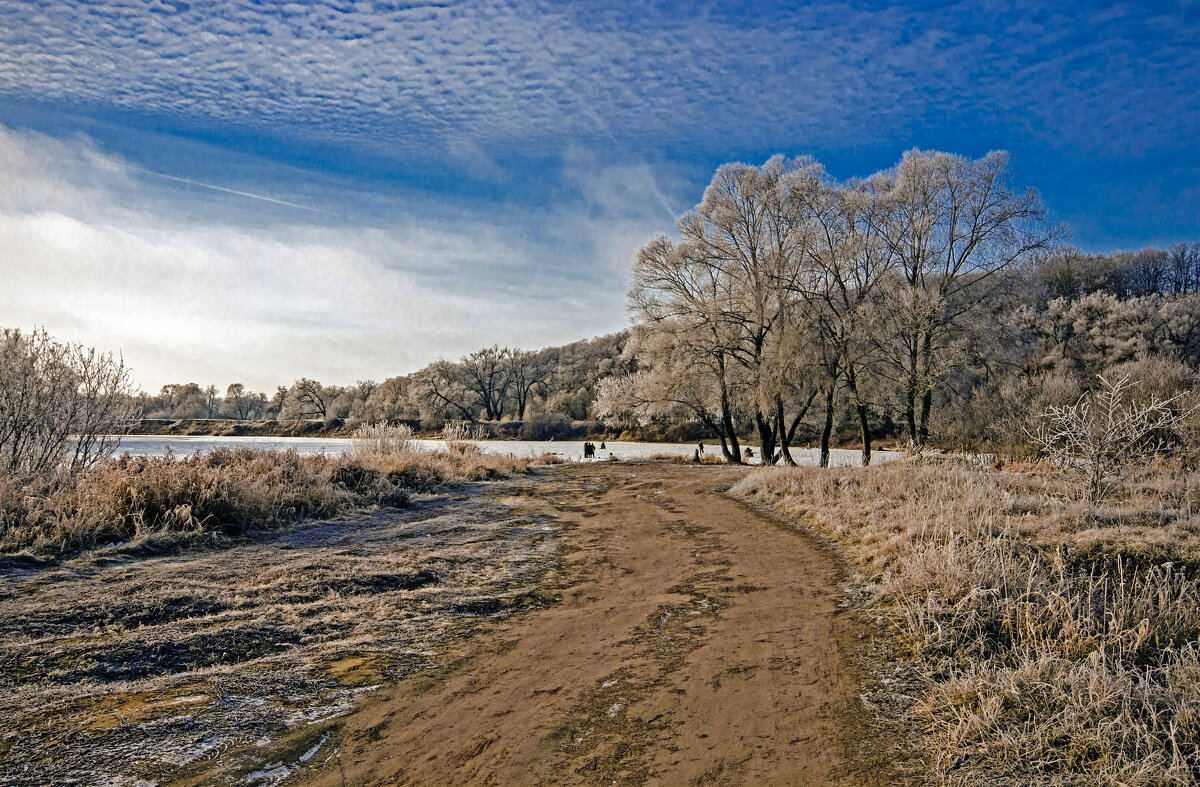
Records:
x=224, y=427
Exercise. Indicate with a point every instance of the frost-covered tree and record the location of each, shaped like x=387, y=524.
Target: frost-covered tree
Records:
x=952, y=225
x=62, y=406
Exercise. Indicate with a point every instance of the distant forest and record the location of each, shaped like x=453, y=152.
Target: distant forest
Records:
x=546, y=387
x=930, y=303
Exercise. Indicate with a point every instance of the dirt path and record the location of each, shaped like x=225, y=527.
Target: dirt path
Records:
x=695, y=642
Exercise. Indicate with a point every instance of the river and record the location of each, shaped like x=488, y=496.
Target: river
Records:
x=155, y=445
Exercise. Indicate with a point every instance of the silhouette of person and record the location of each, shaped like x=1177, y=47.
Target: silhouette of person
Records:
x=747, y=454
x=601, y=445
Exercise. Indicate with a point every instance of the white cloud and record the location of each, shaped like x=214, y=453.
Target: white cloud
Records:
x=98, y=256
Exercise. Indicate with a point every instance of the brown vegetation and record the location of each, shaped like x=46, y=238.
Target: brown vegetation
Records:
x=1055, y=640
x=147, y=503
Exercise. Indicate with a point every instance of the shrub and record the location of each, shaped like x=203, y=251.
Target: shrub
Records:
x=1106, y=432
x=61, y=405
x=381, y=440
x=545, y=426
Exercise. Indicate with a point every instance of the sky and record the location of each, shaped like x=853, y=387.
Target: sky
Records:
x=236, y=190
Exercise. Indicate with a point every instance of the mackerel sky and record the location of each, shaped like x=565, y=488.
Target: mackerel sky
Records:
x=253, y=191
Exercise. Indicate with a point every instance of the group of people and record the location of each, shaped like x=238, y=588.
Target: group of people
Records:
x=589, y=450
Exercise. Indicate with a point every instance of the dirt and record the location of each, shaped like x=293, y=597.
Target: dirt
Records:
x=605, y=623
x=694, y=641
x=212, y=663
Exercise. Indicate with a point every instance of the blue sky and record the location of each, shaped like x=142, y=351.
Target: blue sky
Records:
x=438, y=176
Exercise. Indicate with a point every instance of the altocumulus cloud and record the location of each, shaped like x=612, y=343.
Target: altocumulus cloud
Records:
x=92, y=251
x=475, y=76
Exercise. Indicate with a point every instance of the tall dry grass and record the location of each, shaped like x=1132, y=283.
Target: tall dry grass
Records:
x=458, y=437
x=155, y=502
x=371, y=440
x=1057, y=640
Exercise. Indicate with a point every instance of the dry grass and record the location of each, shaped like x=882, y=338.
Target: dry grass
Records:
x=1057, y=641
x=149, y=503
x=373, y=440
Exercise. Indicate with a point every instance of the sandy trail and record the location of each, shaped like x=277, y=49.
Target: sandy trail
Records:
x=694, y=641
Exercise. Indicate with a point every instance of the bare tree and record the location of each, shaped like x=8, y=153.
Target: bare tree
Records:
x=952, y=225
x=849, y=261
x=679, y=376
x=309, y=399
x=443, y=389
x=388, y=401
x=212, y=402
x=237, y=401
x=683, y=304
x=242, y=404
x=745, y=231
x=61, y=405
x=277, y=403
x=1107, y=432
x=487, y=373
x=527, y=371
x=1183, y=266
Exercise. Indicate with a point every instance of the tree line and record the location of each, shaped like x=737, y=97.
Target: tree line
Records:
x=493, y=384
x=788, y=301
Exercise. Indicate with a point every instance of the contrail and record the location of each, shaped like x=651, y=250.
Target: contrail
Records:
x=662, y=198
x=246, y=194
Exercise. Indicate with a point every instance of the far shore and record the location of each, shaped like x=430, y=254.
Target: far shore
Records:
x=502, y=430
x=339, y=427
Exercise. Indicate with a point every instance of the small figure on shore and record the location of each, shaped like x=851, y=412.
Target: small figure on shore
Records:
x=700, y=450
x=696, y=456
x=747, y=454
x=589, y=451
x=601, y=445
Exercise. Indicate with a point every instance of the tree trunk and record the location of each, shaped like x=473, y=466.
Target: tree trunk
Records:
x=861, y=407
x=866, y=433
x=910, y=391
x=927, y=398
x=766, y=437
x=732, y=451
x=910, y=415
x=787, y=435
x=522, y=401
x=827, y=429
x=785, y=438
x=926, y=406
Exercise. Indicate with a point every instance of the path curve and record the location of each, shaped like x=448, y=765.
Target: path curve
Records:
x=693, y=641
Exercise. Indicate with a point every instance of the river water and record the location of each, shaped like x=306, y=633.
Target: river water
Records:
x=154, y=445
